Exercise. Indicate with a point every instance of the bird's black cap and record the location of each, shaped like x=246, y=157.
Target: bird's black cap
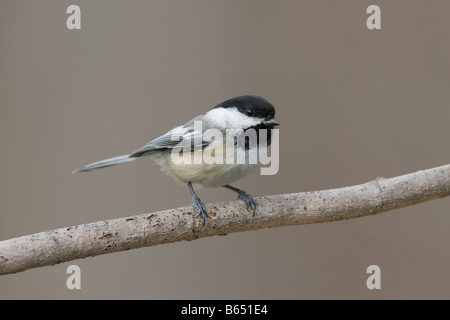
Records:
x=253, y=106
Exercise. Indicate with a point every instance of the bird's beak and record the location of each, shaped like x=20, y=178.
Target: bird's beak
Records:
x=273, y=122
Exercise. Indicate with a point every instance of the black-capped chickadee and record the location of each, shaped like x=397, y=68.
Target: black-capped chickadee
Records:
x=203, y=153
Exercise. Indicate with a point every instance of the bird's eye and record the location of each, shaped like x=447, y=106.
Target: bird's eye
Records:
x=249, y=112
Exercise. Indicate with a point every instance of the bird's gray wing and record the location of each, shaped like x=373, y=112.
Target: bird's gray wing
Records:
x=182, y=136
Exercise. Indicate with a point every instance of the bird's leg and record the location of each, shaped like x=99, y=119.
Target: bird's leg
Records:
x=248, y=199
x=198, y=204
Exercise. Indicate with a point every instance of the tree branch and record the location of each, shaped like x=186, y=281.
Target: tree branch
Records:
x=92, y=239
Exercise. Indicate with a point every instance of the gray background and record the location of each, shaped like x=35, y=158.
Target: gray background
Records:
x=354, y=104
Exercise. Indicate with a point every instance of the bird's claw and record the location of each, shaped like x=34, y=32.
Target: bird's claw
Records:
x=198, y=204
x=248, y=199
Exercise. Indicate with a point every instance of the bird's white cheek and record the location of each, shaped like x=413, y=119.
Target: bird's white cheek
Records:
x=230, y=118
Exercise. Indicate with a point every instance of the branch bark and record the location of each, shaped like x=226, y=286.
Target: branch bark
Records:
x=92, y=239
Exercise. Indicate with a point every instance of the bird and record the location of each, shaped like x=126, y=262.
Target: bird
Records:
x=204, y=152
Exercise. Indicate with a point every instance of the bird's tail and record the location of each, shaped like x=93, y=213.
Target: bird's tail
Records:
x=106, y=163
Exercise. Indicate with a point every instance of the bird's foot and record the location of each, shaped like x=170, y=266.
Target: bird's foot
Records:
x=248, y=199
x=198, y=204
